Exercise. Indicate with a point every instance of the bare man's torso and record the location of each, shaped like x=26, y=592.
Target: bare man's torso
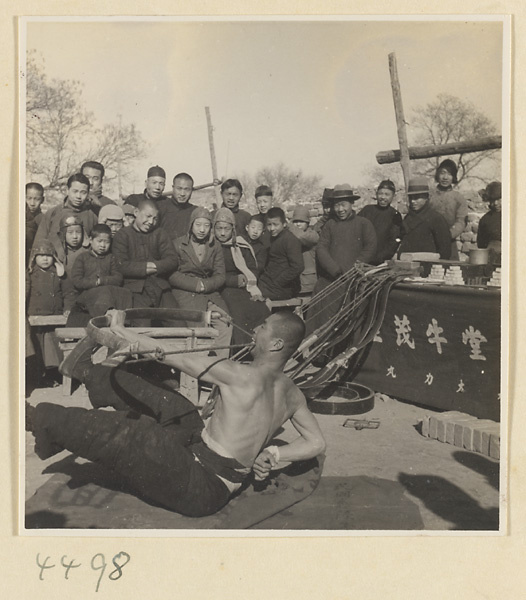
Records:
x=252, y=409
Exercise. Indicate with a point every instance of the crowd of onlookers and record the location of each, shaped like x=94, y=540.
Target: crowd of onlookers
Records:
x=90, y=253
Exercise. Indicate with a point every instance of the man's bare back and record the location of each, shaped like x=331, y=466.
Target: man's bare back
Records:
x=256, y=398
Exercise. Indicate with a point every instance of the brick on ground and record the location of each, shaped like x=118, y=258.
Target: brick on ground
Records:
x=464, y=431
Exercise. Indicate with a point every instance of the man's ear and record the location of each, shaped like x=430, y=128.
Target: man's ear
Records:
x=136, y=211
x=276, y=345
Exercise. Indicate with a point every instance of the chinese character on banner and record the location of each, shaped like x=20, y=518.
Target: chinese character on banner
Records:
x=433, y=333
x=429, y=379
x=403, y=329
x=390, y=371
x=460, y=388
x=474, y=338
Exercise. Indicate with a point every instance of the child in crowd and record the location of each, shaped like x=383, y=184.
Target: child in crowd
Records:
x=96, y=277
x=46, y=295
x=34, y=199
x=280, y=279
x=129, y=214
x=254, y=234
x=71, y=242
x=112, y=216
x=309, y=238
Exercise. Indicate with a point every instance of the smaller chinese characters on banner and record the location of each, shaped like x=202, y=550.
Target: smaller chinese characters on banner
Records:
x=439, y=347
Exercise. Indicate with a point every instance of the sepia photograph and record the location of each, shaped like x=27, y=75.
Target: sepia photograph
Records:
x=264, y=269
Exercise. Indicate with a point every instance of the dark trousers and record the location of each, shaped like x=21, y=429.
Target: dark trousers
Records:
x=146, y=441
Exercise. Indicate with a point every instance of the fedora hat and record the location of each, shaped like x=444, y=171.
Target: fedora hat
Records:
x=343, y=192
x=418, y=185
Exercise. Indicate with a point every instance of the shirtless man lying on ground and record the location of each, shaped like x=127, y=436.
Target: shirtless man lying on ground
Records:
x=155, y=440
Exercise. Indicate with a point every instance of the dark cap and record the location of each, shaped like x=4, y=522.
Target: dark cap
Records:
x=492, y=192
x=388, y=185
x=263, y=190
x=156, y=171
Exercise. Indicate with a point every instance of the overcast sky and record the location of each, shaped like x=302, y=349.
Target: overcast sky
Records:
x=314, y=95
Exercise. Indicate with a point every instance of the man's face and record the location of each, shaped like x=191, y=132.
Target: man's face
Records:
x=264, y=203
x=445, y=179
x=201, y=228
x=231, y=197
x=77, y=195
x=182, y=190
x=129, y=220
x=223, y=231
x=44, y=261
x=254, y=230
x=384, y=197
x=155, y=186
x=34, y=199
x=145, y=219
x=496, y=205
x=101, y=244
x=114, y=225
x=95, y=179
x=275, y=226
x=326, y=209
x=343, y=209
x=74, y=236
x=418, y=201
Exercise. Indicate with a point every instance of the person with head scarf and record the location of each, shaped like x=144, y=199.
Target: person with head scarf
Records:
x=386, y=220
x=201, y=274
x=240, y=292
x=449, y=203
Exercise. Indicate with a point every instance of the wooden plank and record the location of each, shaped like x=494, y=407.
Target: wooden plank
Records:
x=46, y=320
x=76, y=333
x=400, y=119
x=415, y=152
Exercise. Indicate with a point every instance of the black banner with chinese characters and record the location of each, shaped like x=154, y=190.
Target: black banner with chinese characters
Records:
x=439, y=346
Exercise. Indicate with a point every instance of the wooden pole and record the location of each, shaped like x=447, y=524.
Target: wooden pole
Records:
x=400, y=120
x=478, y=145
x=213, y=155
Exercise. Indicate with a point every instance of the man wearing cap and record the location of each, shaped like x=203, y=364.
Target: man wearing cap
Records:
x=489, y=233
x=309, y=238
x=264, y=197
x=94, y=171
x=154, y=187
x=387, y=222
x=424, y=229
x=112, y=216
x=327, y=210
x=146, y=258
x=344, y=240
x=129, y=214
x=175, y=212
x=449, y=203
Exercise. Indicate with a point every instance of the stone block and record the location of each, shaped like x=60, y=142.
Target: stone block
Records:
x=494, y=446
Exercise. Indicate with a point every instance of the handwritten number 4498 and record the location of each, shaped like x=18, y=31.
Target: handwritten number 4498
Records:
x=98, y=563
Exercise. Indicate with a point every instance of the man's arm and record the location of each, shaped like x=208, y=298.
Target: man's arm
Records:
x=210, y=369
x=310, y=443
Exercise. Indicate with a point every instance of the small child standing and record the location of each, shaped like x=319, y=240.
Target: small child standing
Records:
x=96, y=277
x=46, y=295
x=253, y=235
x=71, y=236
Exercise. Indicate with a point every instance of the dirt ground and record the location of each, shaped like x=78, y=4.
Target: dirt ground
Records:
x=454, y=489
